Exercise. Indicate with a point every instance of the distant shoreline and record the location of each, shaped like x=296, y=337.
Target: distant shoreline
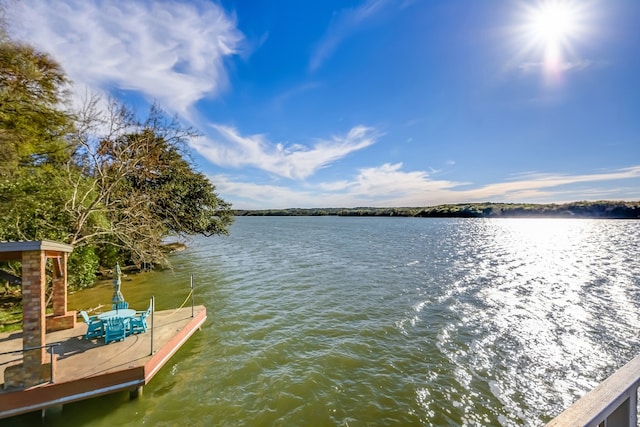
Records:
x=599, y=210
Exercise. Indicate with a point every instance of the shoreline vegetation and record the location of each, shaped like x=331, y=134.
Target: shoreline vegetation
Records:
x=582, y=209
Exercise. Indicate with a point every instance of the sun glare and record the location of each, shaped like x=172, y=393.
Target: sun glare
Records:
x=553, y=22
x=551, y=28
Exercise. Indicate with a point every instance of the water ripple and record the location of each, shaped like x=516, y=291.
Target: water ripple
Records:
x=397, y=321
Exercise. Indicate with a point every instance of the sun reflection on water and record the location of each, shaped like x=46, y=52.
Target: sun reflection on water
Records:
x=535, y=304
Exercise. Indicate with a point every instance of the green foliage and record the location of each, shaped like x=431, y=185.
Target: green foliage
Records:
x=82, y=266
x=180, y=199
x=600, y=209
x=32, y=125
x=34, y=149
x=100, y=179
x=11, y=318
x=30, y=206
x=143, y=189
x=109, y=255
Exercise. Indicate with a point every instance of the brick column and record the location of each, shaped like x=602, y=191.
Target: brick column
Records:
x=60, y=285
x=33, y=311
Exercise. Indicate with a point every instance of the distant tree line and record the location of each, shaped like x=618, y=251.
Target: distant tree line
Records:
x=585, y=209
x=98, y=177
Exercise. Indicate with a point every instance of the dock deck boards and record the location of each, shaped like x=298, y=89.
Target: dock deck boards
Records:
x=89, y=368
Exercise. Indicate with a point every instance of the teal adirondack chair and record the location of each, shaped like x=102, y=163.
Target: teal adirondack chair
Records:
x=138, y=323
x=120, y=305
x=115, y=329
x=95, y=328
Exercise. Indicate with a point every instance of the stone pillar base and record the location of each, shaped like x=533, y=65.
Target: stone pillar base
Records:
x=58, y=323
x=15, y=377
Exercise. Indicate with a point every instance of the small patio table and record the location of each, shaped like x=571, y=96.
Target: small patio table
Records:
x=124, y=313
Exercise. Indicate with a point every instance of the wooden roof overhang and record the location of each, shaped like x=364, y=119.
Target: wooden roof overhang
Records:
x=12, y=251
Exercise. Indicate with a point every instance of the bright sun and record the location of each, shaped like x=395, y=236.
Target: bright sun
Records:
x=551, y=26
x=553, y=22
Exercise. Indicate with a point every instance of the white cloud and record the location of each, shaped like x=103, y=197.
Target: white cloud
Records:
x=544, y=187
x=389, y=186
x=172, y=52
x=534, y=182
x=295, y=161
x=343, y=25
x=249, y=195
x=386, y=185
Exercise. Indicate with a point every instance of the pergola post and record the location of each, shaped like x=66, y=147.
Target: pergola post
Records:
x=33, y=311
x=36, y=367
x=59, y=283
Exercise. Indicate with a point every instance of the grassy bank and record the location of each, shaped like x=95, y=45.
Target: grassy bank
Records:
x=10, y=314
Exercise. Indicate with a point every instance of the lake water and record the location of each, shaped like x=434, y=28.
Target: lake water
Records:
x=330, y=321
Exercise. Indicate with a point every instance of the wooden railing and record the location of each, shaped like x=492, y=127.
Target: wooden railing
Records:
x=613, y=403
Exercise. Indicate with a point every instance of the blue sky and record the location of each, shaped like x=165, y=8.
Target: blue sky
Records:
x=373, y=102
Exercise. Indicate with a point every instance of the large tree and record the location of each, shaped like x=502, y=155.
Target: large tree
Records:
x=101, y=179
x=143, y=188
x=33, y=126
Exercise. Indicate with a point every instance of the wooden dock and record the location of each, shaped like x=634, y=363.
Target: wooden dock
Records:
x=88, y=368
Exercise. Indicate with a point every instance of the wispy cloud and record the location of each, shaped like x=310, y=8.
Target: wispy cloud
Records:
x=172, y=52
x=385, y=185
x=564, y=66
x=536, y=181
x=296, y=161
x=292, y=92
x=343, y=24
x=389, y=186
x=250, y=195
x=538, y=186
